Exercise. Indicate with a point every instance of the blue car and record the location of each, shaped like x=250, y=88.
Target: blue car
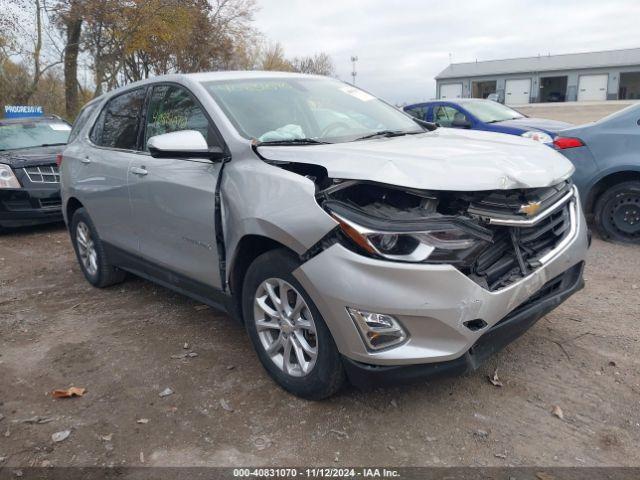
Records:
x=487, y=115
x=606, y=155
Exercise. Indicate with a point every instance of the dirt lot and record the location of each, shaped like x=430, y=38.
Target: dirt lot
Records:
x=57, y=331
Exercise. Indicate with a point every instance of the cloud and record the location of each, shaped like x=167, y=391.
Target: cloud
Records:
x=402, y=45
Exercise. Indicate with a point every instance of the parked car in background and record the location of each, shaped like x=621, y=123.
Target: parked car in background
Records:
x=606, y=155
x=556, y=97
x=29, y=177
x=350, y=241
x=486, y=115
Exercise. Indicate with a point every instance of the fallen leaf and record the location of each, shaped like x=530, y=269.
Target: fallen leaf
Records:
x=544, y=476
x=69, y=392
x=166, y=392
x=106, y=438
x=200, y=307
x=495, y=381
x=225, y=405
x=185, y=346
x=141, y=457
x=60, y=436
x=142, y=421
x=500, y=455
x=192, y=354
x=557, y=411
x=230, y=367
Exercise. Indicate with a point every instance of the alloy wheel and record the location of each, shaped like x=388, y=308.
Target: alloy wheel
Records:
x=285, y=327
x=86, y=249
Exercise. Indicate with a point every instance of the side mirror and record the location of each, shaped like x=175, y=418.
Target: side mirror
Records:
x=183, y=144
x=426, y=125
x=460, y=123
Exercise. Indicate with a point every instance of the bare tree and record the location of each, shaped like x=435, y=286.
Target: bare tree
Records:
x=318, y=64
x=272, y=58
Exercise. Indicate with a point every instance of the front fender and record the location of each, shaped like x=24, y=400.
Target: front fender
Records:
x=265, y=200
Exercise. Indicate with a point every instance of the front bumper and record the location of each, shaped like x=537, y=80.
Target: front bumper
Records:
x=432, y=302
x=21, y=207
x=495, y=339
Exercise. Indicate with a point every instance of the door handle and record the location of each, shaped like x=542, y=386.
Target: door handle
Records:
x=138, y=171
x=85, y=160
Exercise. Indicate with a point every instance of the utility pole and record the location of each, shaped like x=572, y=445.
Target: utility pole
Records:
x=354, y=59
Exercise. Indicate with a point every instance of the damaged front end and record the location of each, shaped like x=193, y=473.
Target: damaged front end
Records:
x=494, y=237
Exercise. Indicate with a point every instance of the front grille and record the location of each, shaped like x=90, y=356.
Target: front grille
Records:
x=43, y=174
x=506, y=204
x=515, y=251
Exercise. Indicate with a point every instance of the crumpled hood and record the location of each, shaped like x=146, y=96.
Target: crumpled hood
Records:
x=548, y=126
x=444, y=159
x=30, y=156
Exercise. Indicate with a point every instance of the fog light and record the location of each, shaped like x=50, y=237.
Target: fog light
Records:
x=377, y=329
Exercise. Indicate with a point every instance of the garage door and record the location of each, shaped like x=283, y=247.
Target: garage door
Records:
x=517, y=92
x=592, y=87
x=451, y=90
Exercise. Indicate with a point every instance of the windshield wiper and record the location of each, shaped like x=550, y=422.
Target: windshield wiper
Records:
x=51, y=144
x=386, y=133
x=292, y=141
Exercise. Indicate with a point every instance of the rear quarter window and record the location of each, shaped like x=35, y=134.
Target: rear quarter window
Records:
x=81, y=119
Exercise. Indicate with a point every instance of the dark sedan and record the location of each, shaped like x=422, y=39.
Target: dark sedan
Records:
x=606, y=155
x=29, y=177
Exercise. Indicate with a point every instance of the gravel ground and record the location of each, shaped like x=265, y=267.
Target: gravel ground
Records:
x=57, y=331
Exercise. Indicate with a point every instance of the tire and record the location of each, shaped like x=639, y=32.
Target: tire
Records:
x=95, y=266
x=324, y=373
x=617, y=213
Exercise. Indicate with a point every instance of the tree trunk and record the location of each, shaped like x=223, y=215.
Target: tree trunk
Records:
x=73, y=26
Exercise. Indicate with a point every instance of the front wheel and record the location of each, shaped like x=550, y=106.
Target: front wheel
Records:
x=617, y=213
x=290, y=336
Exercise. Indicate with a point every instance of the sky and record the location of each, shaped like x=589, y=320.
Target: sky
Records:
x=402, y=45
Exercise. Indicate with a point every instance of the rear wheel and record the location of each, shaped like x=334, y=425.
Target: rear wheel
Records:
x=290, y=336
x=617, y=213
x=90, y=252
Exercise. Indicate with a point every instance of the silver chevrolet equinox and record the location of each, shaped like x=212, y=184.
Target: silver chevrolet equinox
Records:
x=351, y=241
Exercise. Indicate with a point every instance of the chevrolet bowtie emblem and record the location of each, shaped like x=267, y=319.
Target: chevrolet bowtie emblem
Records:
x=530, y=209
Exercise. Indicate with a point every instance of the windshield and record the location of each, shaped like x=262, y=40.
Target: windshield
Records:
x=32, y=134
x=491, y=112
x=321, y=109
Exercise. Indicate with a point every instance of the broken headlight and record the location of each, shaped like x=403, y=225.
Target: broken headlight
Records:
x=437, y=239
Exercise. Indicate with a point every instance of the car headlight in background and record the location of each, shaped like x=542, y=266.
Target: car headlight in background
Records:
x=7, y=177
x=437, y=240
x=538, y=136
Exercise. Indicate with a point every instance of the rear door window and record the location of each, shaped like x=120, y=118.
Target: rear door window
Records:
x=118, y=123
x=172, y=109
